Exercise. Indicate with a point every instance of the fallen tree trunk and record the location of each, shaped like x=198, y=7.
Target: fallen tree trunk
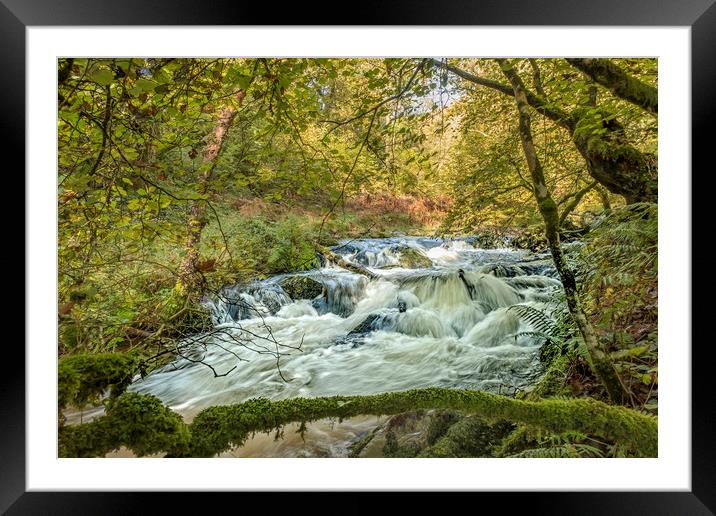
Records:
x=338, y=260
x=217, y=429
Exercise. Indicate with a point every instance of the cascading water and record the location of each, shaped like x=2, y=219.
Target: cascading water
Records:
x=447, y=324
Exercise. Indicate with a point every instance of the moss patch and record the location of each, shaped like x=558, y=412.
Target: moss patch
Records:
x=139, y=422
x=83, y=378
x=411, y=258
x=219, y=428
x=301, y=287
x=472, y=436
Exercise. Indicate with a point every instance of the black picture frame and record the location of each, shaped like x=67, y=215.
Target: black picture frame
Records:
x=700, y=15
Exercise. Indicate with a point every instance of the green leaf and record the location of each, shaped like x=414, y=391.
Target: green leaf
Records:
x=144, y=85
x=162, y=77
x=102, y=76
x=243, y=81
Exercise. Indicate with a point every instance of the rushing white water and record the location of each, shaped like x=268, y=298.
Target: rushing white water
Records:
x=445, y=325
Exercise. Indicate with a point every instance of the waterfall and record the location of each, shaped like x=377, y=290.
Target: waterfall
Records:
x=446, y=324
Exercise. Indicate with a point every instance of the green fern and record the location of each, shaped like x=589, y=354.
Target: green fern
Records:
x=562, y=451
x=539, y=320
x=565, y=445
x=556, y=328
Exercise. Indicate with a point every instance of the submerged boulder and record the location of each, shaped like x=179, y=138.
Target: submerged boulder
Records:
x=405, y=434
x=433, y=433
x=301, y=287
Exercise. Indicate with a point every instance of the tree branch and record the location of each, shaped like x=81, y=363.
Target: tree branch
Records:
x=540, y=104
x=624, y=86
x=379, y=104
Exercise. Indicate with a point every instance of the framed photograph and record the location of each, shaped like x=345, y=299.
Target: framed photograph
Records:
x=428, y=240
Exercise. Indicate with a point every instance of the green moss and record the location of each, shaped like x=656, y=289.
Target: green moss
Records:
x=357, y=447
x=142, y=424
x=548, y=207
x=440, y=423
x=301, y=287
x=521, y=438
x=138, y=422
x=83, y=378
x=219, y=428
x=470, y=437
x=554, y=381
x=411, y=258
x=146, y=426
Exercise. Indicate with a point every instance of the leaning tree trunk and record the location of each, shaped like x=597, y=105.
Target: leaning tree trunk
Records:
x=619, y=167
x=609, y=75
x=598, y=358
x=190, y=280
x=613, y=162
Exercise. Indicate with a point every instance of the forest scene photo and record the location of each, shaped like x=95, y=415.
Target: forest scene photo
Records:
x=357, y=257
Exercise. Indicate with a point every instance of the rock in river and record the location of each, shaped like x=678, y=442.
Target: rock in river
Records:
x=301, y=287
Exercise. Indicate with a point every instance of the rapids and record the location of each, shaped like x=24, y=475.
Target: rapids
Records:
x=445, y=325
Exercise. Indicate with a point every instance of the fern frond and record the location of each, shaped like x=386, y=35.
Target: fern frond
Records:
x=540, y=321
x=570, y=450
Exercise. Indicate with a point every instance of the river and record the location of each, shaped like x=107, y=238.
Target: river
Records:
x=441, y=318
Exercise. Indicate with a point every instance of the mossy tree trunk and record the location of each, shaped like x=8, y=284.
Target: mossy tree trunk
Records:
x=189, y=280
x=609, y=75
x=616, y=164
x=599, y=360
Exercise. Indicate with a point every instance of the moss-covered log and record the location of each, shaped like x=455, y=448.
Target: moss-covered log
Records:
x=138, y=422
x=219, y=428
x=84, y=378
x=144, y=425
x=338, y=260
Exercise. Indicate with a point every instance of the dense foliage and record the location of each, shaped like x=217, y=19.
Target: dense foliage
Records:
x=178, y=176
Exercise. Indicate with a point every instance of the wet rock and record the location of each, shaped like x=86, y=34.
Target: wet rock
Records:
x=411, y=258
x=366, y=326
x=433, y=433
x=503, y=270
x=406, y=434
x=487, y=241
x=533, y=239
x=351, y=340
x=472, y=436
x=301, y=287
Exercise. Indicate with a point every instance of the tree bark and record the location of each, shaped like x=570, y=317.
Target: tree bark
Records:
x=609, y=75
x=604, y=197
x=619, y=167
x=598, y=358
x=342, y=263
x=569, y=208
x=189, y=279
